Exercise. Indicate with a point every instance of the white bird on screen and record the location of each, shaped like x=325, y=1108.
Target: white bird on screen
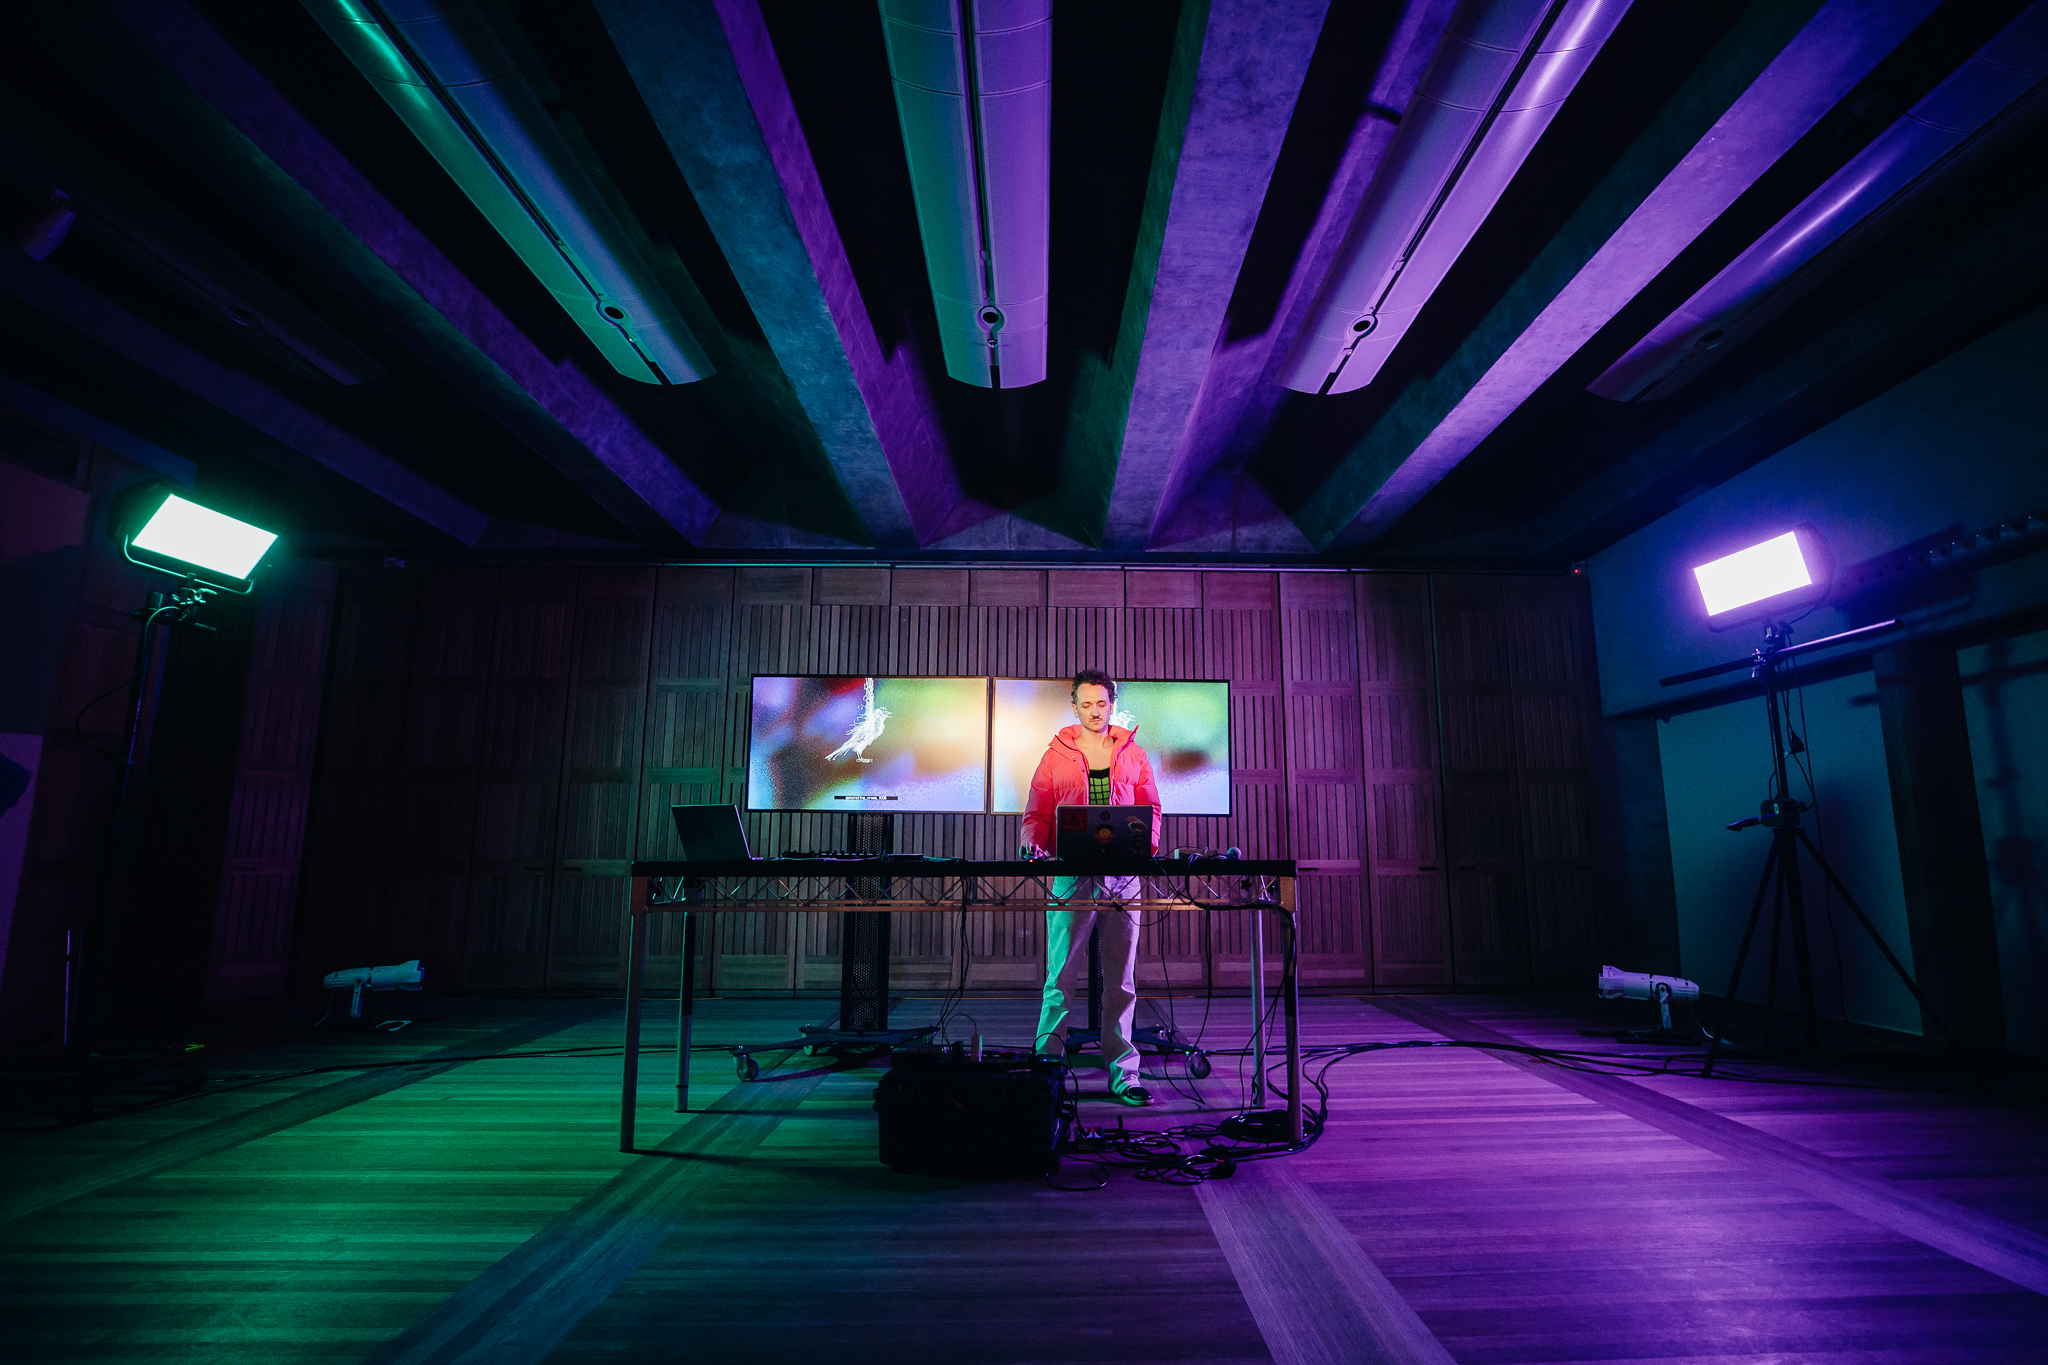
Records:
x=869, y=729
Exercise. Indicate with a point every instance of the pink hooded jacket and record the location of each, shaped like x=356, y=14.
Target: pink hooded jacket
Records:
x=1062, y=780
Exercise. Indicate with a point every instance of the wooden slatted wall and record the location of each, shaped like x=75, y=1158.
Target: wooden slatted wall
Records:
x=500, y=743
x=426, y=899
x=1325, y=776
x=1550, y=674
x=352, y=824
x=1407, y=884
x=259, y=884
x=1483, y=828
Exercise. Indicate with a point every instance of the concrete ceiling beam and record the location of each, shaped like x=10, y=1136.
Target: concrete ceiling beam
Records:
x=1237, y=81
x=1982, y=281
x=186, y=87
x=249, y=414
x=708, y=72
x=1777, y=69
x=1207, y=504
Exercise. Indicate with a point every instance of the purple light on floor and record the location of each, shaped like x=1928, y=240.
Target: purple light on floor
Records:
x=1762, y=571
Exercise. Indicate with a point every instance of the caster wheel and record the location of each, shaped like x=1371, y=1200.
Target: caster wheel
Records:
x=748, y=1068
x=1198, y=1065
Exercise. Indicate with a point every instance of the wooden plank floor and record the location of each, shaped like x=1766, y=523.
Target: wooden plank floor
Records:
x=1520, y=1221
x=1527, y=1223
x=1984, y=1151
x=812, y=1251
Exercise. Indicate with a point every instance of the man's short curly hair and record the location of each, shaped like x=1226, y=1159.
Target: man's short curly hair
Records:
x=1092, y=675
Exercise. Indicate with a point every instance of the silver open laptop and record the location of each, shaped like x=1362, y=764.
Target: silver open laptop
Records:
x=711, y=834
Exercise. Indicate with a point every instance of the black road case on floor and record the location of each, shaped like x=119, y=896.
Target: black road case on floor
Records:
x=943, y=1115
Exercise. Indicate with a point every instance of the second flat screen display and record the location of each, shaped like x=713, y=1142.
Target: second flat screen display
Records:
x=1183, y=726
x=879, y=744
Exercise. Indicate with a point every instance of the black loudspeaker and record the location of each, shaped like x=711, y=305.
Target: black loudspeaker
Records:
x=938, y=1115
x=864, y=943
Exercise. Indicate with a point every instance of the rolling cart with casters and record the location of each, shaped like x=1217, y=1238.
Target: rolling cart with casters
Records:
x=821, y=1038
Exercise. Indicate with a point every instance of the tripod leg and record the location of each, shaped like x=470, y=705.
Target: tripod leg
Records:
x=1877, y=938
x=1756, y=910
x=1802, y=958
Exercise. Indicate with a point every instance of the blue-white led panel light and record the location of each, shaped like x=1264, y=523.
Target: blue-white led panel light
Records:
x=1767, y=570
x=204, y=538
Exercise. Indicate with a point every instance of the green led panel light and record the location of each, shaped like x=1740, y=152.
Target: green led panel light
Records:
x=203, y=538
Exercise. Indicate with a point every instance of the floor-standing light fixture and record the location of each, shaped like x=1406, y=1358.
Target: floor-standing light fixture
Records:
x=208, y=553
x=1758, y=585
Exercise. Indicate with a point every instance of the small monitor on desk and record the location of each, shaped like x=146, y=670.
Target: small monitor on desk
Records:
x=1086, y=834
x=711, y=834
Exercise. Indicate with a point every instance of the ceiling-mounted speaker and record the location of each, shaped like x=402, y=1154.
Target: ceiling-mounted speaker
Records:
x=1500, y=74
x=973, y=85
x=442, y=69
x=1998, y=93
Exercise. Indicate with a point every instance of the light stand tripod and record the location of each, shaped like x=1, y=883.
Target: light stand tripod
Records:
x=176, y=611
x=1781, y=875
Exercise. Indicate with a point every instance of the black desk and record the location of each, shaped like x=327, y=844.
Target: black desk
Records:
x=825, y=884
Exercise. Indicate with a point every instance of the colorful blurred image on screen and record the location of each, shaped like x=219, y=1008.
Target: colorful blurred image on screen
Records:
x=877, y=744
x=1184, y=726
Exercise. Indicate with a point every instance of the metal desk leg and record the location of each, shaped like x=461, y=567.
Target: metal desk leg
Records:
x=1258, y=1009
x=686, y=1008
x=636, y=974
x=1290, y=995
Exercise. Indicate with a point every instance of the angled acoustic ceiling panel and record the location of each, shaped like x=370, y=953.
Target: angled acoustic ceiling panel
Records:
x=1497, y=79
x=2000, y=91
x=973, y=85
x=439, y=65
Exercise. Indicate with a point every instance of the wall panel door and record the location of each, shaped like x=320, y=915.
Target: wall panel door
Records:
x=1409, y=890
x=1242, y=644
x=774, y=632
x=355, y=798
x=434, y=844
x=1482, y=795
x=601, y=787
x=525, y=706
x=260, y=873
x=1325, y=778
x=1548, y=660
x=693, y=756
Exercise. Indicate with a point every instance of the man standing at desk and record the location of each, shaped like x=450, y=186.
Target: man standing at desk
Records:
x=1093, y=763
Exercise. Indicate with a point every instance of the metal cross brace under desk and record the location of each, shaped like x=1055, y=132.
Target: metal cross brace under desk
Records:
x=832, y=885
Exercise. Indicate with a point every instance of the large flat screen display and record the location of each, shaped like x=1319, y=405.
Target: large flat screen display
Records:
x=1183, y=726
x=878, y=744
